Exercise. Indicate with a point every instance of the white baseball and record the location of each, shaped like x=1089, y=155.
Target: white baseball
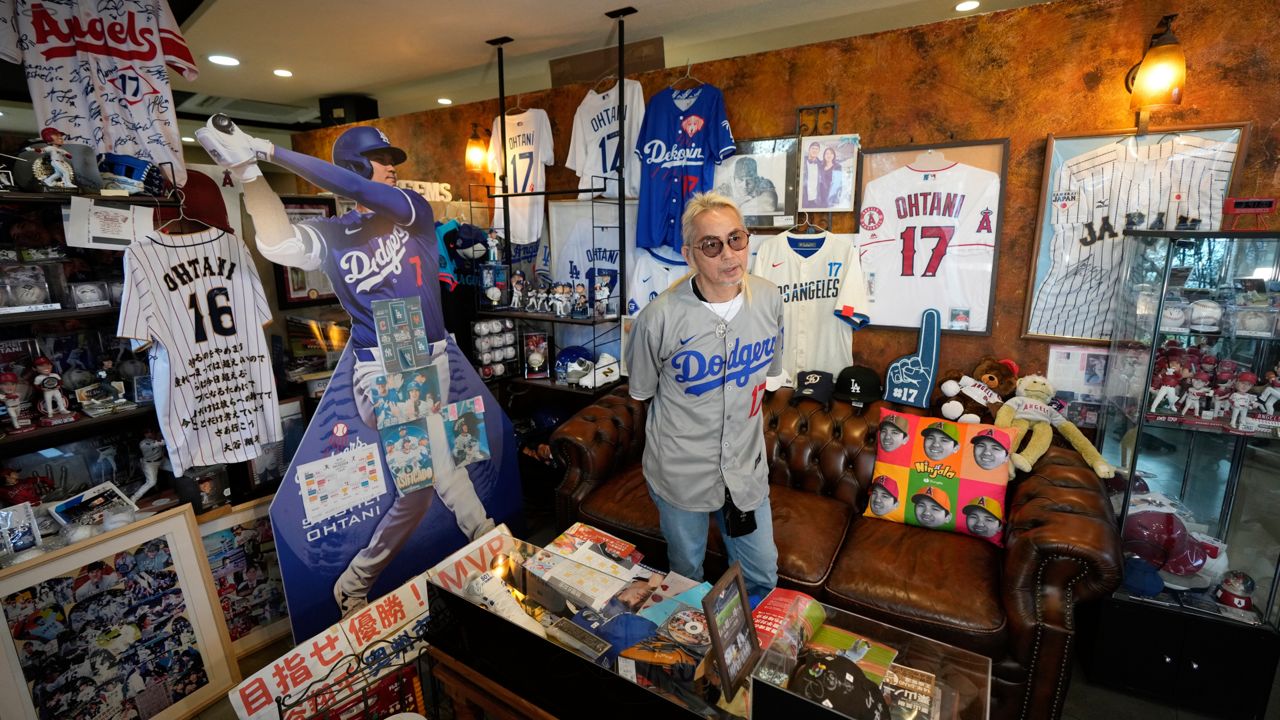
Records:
x=499, y=369
x=486, y=357
x=480, y=328
x=508, y=338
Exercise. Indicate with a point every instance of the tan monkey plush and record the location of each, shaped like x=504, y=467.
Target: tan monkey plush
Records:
x=1030, y=409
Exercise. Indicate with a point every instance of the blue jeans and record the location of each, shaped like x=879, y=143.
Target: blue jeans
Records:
x=686, y=534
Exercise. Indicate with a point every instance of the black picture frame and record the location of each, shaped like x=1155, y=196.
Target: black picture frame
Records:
x=296, y=288
x=781, y=172
x=733, y=632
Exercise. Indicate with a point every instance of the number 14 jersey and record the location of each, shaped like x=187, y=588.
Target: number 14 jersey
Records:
x=928, y=240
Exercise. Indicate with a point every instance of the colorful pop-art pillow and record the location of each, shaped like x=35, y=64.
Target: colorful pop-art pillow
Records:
x=938, y=474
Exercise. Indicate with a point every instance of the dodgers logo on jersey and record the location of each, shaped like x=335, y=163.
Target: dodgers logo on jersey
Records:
x=693, y=368
x=365, y=272
x=657, y=153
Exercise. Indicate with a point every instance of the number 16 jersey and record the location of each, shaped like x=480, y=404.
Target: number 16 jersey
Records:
x=199, y=296
x=928, y=240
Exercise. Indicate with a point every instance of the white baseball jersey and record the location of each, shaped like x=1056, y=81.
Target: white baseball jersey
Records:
x=97, y=72
x=199, y=297
x=820, y=280
x=928, y=240
x=1177, y=184
x=651, y=273
x=594, y=152
x=529, y=151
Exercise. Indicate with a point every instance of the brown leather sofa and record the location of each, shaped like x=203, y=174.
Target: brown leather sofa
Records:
x=1014, y=605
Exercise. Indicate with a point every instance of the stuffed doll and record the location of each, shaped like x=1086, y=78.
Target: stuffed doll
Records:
x=977, y=396
x=1030, y=410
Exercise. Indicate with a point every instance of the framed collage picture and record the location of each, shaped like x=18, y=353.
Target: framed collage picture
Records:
x=1097, y=186
x=246, y=575
x=128, y=618
x=929, y=227
x=296, y=287
x=761, y=178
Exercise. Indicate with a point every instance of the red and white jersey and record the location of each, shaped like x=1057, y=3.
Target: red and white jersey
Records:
x=97, y=72
x=820, y=280
x=594, y=152
x=529, y=152
x=928, y=240
x=198, y=296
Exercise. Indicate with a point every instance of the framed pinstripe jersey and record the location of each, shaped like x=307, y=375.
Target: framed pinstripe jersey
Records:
x=1097, y=187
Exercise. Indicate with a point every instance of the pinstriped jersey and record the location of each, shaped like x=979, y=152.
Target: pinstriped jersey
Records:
x=199, y=297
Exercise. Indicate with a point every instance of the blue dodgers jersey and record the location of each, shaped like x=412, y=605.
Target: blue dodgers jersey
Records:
x=370, y=258
x=684, y=136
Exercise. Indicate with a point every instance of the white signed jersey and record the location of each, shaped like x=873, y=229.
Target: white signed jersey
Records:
x=820, y=280
x=529, y=152
x=593, y=148
x=199, y=297
x=928, y=240
x=98, y=72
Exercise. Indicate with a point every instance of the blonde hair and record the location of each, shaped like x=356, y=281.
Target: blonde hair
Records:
x=697, y=205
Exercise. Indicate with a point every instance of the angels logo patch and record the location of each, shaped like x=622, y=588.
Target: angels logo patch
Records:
x=871, y=218
x=691, y=125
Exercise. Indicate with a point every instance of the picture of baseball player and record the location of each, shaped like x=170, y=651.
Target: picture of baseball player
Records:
x=893, y=432
x=932, y=507
x=884, y=495
x=984, y=517
x=990, y=451
x=407, y=450
x=465, y=426
x=940, y=440
x=385, y=249
x=752, y=182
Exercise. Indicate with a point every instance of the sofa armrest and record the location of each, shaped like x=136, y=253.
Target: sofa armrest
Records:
x=1062, y=547
x=593, y=445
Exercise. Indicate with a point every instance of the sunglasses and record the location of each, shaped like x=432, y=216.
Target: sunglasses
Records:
x=713, y=246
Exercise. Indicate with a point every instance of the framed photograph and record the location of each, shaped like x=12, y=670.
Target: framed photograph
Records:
x=828, y=169
x=734, y=644
x=761, y=178
x=126, y=618
x=246, y=576
x=206, y=488
x=89, y=295
x=929, y=222
x=1095, y=188
x=90, y=506
x=302, y=288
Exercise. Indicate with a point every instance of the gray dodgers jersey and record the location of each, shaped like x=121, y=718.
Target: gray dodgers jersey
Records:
x=704, y=428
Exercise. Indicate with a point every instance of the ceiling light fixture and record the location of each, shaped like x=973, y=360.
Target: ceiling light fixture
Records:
x=1157, y=79
x=186, y=138
x=281, y=72
x=967, y=5
x=444, y=101
x=223, y=60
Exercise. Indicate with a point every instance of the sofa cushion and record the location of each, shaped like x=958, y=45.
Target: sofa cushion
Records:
x=807, y=528
x=935, y=584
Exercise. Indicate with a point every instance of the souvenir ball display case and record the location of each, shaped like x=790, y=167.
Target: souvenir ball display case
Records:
x=1192, y=420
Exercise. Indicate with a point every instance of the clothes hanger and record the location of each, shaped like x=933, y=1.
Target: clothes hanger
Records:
x=808, y=226
x=608, y=75
x=930, y=159
x=182, y=216
x=519, y=108
x=687, y=76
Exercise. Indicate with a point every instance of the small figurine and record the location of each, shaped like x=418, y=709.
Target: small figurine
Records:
x=12, y=400
x=517, y=289
x=107, y=377
x=54, y=404
x=1221, y=402
x=57, y=160
x=1271, y=393
x=538, y=300
x=494, y=243
x=153, y=450
x=562, y=302
x=1165, y=383
x=580, y=308
x=15, y=489
x=1198, y=391
x=1242, y=400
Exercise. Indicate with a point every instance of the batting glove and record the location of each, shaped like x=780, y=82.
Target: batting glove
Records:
x=232, y=148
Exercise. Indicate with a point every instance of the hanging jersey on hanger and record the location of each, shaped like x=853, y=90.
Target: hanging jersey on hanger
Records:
x=594, y=152
x=529, y=151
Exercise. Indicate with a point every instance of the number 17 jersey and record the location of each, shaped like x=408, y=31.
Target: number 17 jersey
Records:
x=928, y=240
x=199, y=296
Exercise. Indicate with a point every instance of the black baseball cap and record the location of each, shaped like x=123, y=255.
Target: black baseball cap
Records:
x=814, y=385
x=858, y=384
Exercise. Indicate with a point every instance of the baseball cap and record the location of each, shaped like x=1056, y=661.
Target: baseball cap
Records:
x=945, y=428
x=1163, y=540
x=201, y=200
x=984, y=502
x=888, y=483
x=814, y=385
x=935, y=495
x=989, y=434
x=858, y=384
x=897, y=422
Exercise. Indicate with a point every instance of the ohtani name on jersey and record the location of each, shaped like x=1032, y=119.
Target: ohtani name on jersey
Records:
x=602, y=255
x=519, y=140
x=931, y=204
x=386, y=259
x=656, y=152
x=812, y=290
x=605, y=118
x=693, y=368
x=185, y=273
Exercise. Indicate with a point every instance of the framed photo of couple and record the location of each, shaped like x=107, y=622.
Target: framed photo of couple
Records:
x=828, y=168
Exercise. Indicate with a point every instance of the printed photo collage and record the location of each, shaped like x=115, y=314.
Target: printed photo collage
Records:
x=246, y=576
x=110, y=640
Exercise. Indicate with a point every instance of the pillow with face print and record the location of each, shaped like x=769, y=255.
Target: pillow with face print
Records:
x=942, y=475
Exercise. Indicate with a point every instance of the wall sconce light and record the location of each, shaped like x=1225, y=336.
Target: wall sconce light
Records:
x=476, y=151
x=1157, y=80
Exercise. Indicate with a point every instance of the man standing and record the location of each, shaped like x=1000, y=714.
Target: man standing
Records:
x=700, y=352
x=812, y=169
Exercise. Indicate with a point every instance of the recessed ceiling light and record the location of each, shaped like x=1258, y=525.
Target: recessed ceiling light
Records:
x=223, y=60
x=281, y=72
x=444, y=101
x=186, y=138
x=967, y=5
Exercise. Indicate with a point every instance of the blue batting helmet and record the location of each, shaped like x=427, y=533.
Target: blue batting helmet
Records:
x=352, y=149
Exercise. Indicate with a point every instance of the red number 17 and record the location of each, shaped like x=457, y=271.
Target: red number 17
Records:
x=942, y=233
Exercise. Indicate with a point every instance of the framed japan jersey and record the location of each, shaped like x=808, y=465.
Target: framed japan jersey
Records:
x=929, y=230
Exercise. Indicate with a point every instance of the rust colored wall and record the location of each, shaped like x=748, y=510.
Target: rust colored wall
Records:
x=1022, y=74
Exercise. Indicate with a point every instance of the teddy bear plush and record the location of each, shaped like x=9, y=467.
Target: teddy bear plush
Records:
x=976, y=396
x=1030, y=410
